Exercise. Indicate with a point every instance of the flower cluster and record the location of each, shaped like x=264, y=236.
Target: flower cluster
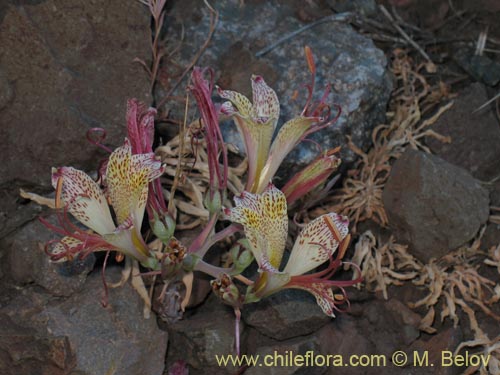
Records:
x=113, y=209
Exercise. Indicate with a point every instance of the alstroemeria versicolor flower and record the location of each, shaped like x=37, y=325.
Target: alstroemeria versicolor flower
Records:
x=127, y=179
x=265, y=221
x=256, y=123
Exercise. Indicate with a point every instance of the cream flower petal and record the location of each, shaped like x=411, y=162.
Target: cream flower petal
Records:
x=65, y=246
x=288, y=136
x=324, y=296
x=316, y=243
x=129, y=242
x=240, y=102
x=265, y=101
x=84, y=199
x=264, y=218
x=127, y=177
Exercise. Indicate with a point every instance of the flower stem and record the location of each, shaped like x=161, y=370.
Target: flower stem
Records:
x=226, y=232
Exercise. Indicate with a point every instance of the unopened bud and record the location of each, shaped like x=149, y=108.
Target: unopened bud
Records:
x=241, y=256
x=163, y=228
x=213, y=201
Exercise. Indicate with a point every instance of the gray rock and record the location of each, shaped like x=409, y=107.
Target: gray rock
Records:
x=78, y=335
x=138, y=347
x=68, y=67
x=349, y=61
x=24, y=352
x=432, y=205
x=282, y=353
x=287, y=314
x=481, y=68
x=26, y=262
x=197, y=339
x=475, y=136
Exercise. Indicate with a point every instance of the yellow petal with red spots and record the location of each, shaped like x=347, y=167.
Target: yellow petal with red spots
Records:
x=264, y=218
x=83, y=198
x=317, y=243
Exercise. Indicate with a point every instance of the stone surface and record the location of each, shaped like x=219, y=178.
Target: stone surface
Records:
x=66, y=67
x=491, y=236
x=287, y=314
x=475, y=136
x=26, y=261
x=481, y=68
x=350, y=62
x=78, y=335
x=23, y=352
x=197, y=339
x=433, y=206
x=280, y=354
x=446, y=339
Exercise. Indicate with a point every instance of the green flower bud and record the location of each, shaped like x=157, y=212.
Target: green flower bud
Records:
x=163, y=229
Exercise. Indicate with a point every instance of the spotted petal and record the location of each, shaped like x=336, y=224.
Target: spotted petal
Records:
x=62, y=250
x=127, y=177
x=256, y=124
x=264, y=218
x=237, y=103
x=324, y=296
x=265, y=101
x=316, y=243
x=290, y=134
x=83, y=198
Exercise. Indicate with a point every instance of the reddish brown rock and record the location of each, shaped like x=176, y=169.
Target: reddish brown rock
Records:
x=475, y=136
x=66, y=67
x=432, y=205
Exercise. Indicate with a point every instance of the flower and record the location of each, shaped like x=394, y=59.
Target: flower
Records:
x=201, y=90
x=265, y=221
x=140, y=131
x=256, y=123
x=127, y=179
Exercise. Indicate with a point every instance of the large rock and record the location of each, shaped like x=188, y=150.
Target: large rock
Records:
x=432, y=205
x=66, y=67
x=41, y=335
x=279, y=353
x=26, y=261
x=287, y=314
x=474, y=136
x=349, y=61
x=202, y=336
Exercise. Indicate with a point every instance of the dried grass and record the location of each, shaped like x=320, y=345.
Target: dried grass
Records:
x=415, y=106
x=194, y=177
x=452, y=283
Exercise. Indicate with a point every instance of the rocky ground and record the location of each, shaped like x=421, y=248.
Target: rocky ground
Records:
x=427, y=237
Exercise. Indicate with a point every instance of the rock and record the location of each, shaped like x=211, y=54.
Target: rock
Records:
x=287, y=314
x=475, y=136
x=367, y=8
x=78, y=335
x=23, y=352
x=349, y=61
x=15, y=211
x=446, y=340
x=491, y=236
x=26, y=261
x=69, y=68
x=284, y=353
x=197, y=339
x=433, y=206
x=481, y=68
